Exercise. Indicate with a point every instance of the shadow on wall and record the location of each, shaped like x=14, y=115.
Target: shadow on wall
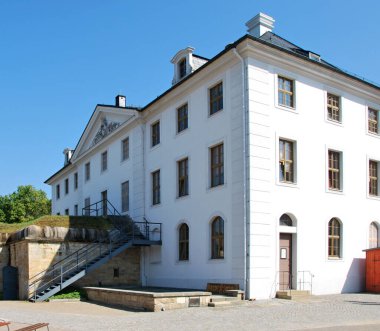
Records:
x=355, y=280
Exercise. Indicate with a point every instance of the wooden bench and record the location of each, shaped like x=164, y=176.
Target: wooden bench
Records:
x=5, y=323
x=221, y=288
x=34, y=327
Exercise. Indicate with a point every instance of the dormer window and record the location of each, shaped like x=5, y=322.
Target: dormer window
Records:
x=182, y=68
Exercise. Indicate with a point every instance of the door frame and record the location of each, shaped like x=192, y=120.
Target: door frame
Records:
x=292, y=230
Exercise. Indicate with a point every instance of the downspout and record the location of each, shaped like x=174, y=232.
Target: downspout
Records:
x=143, y=202
x=246, y=217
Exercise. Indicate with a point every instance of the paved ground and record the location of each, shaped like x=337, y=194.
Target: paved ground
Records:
x=359, y=312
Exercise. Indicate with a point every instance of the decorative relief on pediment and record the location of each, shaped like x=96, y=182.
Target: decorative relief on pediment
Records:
x=105, y=129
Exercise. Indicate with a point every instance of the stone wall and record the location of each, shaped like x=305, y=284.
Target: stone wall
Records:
x=34, y=256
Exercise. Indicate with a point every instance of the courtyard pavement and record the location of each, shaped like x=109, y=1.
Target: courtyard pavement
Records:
x=359, y=312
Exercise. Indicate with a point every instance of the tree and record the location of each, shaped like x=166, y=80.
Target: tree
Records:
x=26, y=204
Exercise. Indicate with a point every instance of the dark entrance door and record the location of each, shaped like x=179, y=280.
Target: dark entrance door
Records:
x=285, y=276
x=104, y=203
x=10, y=283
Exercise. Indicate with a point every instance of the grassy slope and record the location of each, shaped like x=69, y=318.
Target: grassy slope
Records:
x=61, y=221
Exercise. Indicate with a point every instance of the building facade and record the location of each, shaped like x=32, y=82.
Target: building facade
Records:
x=262, y=164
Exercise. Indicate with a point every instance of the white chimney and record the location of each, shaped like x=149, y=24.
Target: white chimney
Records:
x=68, y=154
x=120, y=101
x=260, y=24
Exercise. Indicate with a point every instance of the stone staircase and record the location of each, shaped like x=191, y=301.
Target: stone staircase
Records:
x=232, y=298
x=293, y=294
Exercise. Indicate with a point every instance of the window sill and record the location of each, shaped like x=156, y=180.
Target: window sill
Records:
x=334, y=259
x=184, y=262
x=216, y=188
x=220, y=111
x=155, y=205
x=337, y=123
x=182, y=132
x=373, y=134
x=124, y=161
x=183, y=197
x=288, y=184
x=332, y=191
x=373, y=197
x=152, y=148
x=286, y=108
x=221, y=260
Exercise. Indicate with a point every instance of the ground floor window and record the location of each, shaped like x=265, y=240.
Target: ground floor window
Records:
x=183, y=242
x=335, y=237
x=217, y=238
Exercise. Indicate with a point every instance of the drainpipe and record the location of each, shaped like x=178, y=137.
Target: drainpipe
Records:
x=144, y=213
x=246, y=217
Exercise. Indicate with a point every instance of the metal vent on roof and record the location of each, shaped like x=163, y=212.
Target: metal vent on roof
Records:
x=314, y=57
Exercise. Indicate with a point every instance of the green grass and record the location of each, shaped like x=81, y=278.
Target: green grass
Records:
x=70, y=293
x=98, y=223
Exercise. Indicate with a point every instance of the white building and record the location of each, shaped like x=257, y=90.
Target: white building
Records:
x=265, y=143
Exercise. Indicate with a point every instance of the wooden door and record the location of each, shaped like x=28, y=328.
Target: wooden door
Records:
x=285, y=276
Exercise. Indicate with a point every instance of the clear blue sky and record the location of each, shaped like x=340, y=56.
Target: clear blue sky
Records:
x=58, y=59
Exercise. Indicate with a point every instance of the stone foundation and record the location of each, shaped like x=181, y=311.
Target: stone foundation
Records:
x=149, y=301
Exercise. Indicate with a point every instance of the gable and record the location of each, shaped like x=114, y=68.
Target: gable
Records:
x=104, y=122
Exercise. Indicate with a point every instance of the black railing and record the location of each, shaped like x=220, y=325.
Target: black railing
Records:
x=125, y=230
x=303, y=281
x=101, y=208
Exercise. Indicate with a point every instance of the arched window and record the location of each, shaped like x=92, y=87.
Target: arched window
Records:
x=335, y=236
x=286, y=220
x=373, y=235
x=183, y=242
x=217, y=238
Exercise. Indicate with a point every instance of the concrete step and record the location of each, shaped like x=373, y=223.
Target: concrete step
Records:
x=222, y=298
x=226, y=303
x=292, y=294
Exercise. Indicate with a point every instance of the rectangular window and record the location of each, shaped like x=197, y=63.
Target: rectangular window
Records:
x=76, y=210
x=285, y=92
x=75, y=181
x=125, y=149
x=67, y=212
x=66, y=186
x=216, y=98
x=182, y=123
x=183, y=177
x=87, y=171
x=58, y=192
x=125, y=196
x=155, y=131
x=286, y=160
x=335, y=170
x=373, y=181
x=373, y=121
x=156, y=194
x=104, y=161
x=217, y=165
x=87, y=204
x=333, y=107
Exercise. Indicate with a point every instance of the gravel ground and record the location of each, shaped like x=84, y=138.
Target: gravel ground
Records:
x=333, y=312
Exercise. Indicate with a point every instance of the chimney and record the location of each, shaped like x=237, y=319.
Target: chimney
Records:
x=68, y=154
x=260, y=24
x=120, y=101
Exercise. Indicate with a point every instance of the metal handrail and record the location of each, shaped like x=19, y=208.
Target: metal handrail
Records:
x=301, y=280
x=87, y=254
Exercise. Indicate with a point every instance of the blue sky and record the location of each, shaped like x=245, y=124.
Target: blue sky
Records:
x=58, y=59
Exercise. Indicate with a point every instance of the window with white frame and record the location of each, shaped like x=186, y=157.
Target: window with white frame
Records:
x=125, y=149
x=217, y=165
x=66, y=186
x=373, y=235
x=104, y=161
x=335, y=170
x=87, y=204
x=182, y=118
x=183, y=242
x=75, y=181
x=333, y=108
x=286, y=161
x=217, y=238
x=373, y=121
x=334, y=238
x=57, y=192
x=125, y=196
x=373, y=181
x=156, y=188
x=155, y=133
x=286, y=92
x=183, y=177
x=87, y=171
x=216, y=98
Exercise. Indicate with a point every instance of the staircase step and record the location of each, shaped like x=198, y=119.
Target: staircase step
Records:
x=223, y=298
x=292, y=294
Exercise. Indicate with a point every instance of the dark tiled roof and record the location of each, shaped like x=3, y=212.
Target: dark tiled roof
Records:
x=278, y=41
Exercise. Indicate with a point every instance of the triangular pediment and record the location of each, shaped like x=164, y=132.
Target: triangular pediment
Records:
x=104, y=121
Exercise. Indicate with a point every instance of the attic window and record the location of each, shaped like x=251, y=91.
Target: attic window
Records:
x=314, y=57
x=182, y=68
